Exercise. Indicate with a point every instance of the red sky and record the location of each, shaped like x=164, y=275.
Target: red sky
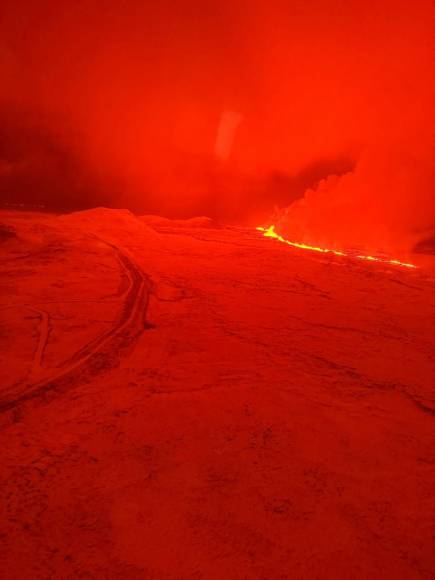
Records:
x=121, y=102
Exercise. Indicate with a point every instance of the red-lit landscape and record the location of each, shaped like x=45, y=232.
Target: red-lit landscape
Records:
x=217, y=236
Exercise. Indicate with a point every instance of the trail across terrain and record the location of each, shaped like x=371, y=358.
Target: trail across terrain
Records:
x=98, y=354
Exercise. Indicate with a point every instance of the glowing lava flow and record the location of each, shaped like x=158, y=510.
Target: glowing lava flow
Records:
x=270, y=233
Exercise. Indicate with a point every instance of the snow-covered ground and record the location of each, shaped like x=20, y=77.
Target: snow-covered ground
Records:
x=185, y=401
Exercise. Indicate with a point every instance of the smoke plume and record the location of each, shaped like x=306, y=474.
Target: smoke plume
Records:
x=224, y=108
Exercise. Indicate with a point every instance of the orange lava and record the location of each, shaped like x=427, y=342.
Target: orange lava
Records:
x=270, y=233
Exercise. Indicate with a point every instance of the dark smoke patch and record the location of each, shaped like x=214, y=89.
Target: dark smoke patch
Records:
x=39, y=168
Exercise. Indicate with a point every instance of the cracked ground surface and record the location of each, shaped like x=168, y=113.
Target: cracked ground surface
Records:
x=182, y=401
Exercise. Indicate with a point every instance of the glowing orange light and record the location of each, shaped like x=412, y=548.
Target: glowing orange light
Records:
x=270, y=233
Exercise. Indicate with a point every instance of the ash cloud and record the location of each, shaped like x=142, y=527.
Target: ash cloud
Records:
x=39, y=167
x=122, y=104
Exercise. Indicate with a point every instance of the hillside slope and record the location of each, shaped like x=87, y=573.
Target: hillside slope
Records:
x=185, y=401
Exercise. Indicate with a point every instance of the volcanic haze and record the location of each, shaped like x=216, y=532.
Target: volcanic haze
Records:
x=130, y=105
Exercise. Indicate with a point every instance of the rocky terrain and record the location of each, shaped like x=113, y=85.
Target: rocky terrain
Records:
x=181, y=400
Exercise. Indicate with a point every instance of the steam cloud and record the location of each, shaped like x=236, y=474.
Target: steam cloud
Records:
x=121, y=104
